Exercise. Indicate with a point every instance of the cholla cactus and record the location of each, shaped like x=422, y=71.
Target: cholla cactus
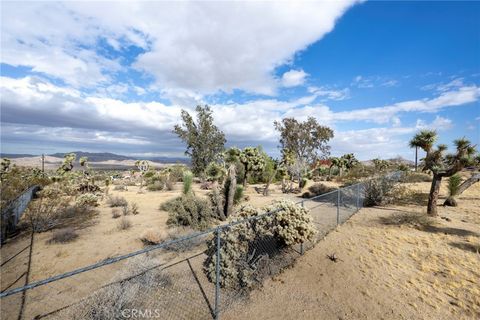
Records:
x=87, y=199
x=253, y=161
x=142, y=165
x=215, y=172
x=289, y=223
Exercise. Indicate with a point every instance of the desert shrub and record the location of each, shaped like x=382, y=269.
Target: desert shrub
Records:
x=125, y=210
x=116, y=213
x=45, y=212
x=117, y=201
x=175, y=233
x=454, y=184
x=206, y=185
x=176, y=172
x=155, y=186
x=380, y=191
x=317, y=189
x=188, y=210
x=187, y=182
x=245, y=245
x=120, y=187
x=124, y=224
x=238, y=196
x=134, y=209
x=76, y=211
x=87, y=199
x=303, y=183
x=415, y=177
x=63, y=235
x=152, y=237
x=169, y=184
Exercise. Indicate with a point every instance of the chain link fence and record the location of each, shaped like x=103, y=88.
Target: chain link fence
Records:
x=187, y=278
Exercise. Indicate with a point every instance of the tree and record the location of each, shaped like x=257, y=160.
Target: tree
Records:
x=442, y=165
x=380, y=164
x=424, y=140
x=306, y=140
x=203, y=139
x=67, y=165
x=252, y=160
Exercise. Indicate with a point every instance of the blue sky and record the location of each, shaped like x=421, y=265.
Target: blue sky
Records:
x=100, y=77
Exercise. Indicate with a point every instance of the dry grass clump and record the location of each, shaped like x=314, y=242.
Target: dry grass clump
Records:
x=117, y=201
x=124, y=224
x=63, y=235
x=120, y=188
x=116, y=213
x=152, y=237
x=316, y=190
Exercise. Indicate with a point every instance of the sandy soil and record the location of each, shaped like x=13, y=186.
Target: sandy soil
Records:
x=98, y=239
x=384, y=272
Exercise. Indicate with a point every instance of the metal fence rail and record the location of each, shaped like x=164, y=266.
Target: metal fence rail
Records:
x=169, y=280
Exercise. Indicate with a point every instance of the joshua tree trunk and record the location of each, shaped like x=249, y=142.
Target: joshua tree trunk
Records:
x=270, y=179
x=416, y=158
x=232, y=186
x=433, y=196
x=245, y=178
x=218, y=201
x=450, y=201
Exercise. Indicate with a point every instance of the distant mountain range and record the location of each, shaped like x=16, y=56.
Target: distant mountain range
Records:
x=101, y=156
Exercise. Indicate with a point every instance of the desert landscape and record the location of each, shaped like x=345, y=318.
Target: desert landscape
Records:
x=240, y=160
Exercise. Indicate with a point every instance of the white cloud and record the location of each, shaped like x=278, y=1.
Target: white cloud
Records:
x=36, y=102
x=330, y=94
x=294, y=78
x=202, y=47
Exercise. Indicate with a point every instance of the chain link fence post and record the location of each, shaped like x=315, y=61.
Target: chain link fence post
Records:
x=338, y=207
x=217, y=276
x=302, y=250
x=358, y=196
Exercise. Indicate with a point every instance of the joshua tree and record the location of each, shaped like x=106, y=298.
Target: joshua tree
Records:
x=5, y=166
x=380, y=164
x=252, y=160
x=67, y=164
x=442, y=165
x=424, y=140
x=334, y=162
x=350, y=161
x=204, y=140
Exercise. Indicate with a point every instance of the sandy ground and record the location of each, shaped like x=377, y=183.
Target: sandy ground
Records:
x=384, y=272
x=101, y=239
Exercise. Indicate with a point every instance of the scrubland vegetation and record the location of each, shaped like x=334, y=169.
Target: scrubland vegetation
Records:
x=78, y=209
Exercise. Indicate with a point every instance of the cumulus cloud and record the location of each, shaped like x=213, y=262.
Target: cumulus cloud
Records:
x=294, y=78
x=33, y=104
x=199, y=47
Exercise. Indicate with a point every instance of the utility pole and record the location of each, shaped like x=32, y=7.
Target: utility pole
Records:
x=43, y=162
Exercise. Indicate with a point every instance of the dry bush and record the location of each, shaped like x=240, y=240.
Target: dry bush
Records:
x=380, y=191
x=45, y=212
x=191, y=244
x=116, y=213
x=63, y=235
x=188, y=210
x=206, y=185
x=416, y=177
x=124, y=224
x=120, y=187
x=87, y=199
x=317, y=189
x=152, y=237
x=125, y=210
x=134, y=209
x=117, y=201
x=155, y=186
